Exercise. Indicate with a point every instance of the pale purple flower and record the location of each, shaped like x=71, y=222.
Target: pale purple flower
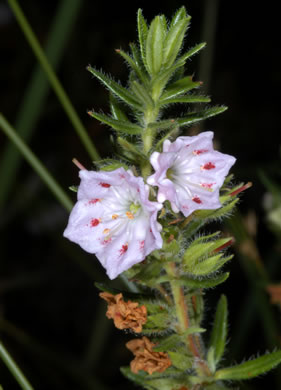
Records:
x=114, y=219
x=189, y=173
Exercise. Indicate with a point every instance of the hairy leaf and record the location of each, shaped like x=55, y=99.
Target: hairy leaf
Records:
x=192, y=51
x=114, y=87
x=201, y=115
x=185, y=99
x=122, y=126
x=154, y=46
x=142, y=33
x=219, y=330
x=250, y=369
x=174, y=40
x=179, y=87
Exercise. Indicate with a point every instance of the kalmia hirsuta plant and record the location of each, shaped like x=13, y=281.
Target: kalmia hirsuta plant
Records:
x=142, y=215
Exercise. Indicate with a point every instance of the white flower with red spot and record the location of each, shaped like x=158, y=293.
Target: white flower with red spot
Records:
x=114, y=219
x=189, y=173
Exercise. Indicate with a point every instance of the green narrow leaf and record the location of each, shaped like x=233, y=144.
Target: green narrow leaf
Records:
x=116, y=110
x=164, y=23
x=186, y=99
x=180, y=87
x=154, y=46
x=123, y=126
x=179, y=15
x=219, y=330
x=201, y=115
x=128, y=146
x=116, y=88
x=250, y=369
x=170, y=134
x=141, y=92
x=134, y=65
x=163, y=125
x=161, y=79
x=192, y=51
x=142, y=33
x=195, y=283
x=174, y=40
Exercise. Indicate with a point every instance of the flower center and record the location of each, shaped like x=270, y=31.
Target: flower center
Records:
x=134, y=208
x=170, y=173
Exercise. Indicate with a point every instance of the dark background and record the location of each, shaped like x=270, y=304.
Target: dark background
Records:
x=50, y=318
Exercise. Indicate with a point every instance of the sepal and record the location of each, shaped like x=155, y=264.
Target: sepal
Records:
x=180, y=360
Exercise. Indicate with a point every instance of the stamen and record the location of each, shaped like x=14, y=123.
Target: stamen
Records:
x=115, y=216
x=129, y=215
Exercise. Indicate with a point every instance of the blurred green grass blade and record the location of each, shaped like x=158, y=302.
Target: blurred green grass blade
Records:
x=36, y=92
x=14, y=369
x=54, y=81
x=36, y=164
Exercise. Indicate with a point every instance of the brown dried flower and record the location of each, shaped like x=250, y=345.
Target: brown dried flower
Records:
x=126, y=315
x=145, y=358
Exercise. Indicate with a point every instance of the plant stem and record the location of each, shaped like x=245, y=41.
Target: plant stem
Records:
x=14, y=369
x=54, y=81
x=36, y=164
x=184, y=321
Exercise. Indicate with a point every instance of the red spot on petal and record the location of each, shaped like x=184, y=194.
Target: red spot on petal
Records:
x=123, y=249
x=94, y=201
x=95, y=222
x=199, y=151
x=122, y=176
x=208, y=166
x=185, y=207
x=141, y=245
x=207, y=185
x=196, y=199
x=105, y=185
